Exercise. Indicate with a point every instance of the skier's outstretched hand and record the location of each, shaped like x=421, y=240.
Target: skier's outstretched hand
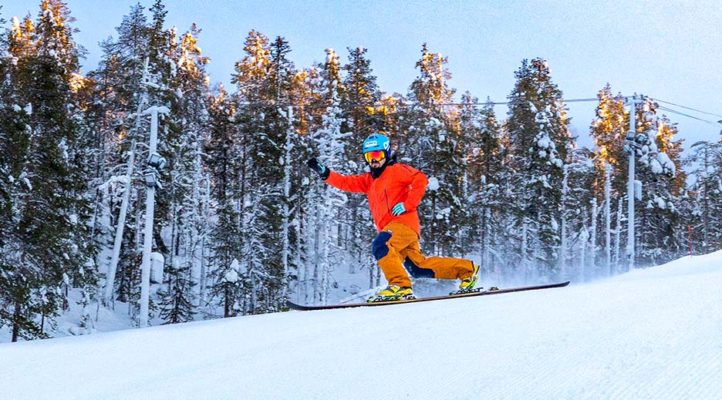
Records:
x=318, y=166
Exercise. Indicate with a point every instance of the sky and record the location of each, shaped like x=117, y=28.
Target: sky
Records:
x=669, y=50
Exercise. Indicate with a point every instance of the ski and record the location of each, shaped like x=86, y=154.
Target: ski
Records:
x=299, y=307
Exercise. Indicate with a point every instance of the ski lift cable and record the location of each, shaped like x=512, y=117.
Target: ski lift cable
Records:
x=689, y=116
x=474, y=104
x=688, y=108
x=500, y=103
x=503, y=103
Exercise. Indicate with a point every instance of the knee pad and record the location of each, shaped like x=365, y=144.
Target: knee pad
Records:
x=380, y=246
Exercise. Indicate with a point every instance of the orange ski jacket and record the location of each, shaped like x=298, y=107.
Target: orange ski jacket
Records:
x=397, y=183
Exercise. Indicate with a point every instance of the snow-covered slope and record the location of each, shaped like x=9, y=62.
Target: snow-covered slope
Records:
x=649, y=334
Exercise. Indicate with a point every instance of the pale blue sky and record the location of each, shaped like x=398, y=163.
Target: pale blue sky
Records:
x=668, y=50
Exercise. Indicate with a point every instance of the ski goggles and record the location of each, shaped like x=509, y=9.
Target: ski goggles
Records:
x=375, y=156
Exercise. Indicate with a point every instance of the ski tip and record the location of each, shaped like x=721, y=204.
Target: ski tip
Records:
x=555, y=285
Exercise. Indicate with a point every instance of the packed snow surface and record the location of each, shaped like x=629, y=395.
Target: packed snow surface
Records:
x=649, y=334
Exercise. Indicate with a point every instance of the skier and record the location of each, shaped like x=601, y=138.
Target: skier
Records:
x=394, y=190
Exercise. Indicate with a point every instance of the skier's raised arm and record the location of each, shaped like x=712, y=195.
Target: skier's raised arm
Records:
x=353, y=183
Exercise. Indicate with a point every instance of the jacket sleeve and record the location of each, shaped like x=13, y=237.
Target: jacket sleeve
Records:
x=352, y=183
x=417, y=188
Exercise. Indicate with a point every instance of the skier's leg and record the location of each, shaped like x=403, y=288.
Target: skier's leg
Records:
x=412, y=258
x=386, y=249
x=440, y=267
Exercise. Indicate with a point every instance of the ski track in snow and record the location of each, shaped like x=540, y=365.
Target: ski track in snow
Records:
x=649, y=334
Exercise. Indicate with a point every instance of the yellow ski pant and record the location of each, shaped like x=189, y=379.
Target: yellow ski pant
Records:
x=398, y=245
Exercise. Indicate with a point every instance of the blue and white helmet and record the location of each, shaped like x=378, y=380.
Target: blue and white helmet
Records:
x=375, y=142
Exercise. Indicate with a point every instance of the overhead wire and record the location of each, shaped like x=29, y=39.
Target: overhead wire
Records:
x=687, y=108
x=688, y=116
x=500, y=103
x=474, y=104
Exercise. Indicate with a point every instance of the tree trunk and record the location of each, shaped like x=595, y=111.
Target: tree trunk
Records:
x=593, y=240
x=227, y=303
x=618, y=235
x=16, y=322
x=483, y=239
x=608, y=219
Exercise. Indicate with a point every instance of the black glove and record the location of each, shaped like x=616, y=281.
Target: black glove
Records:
x=318, y=166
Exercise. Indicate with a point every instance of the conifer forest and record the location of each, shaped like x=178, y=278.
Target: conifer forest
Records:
x=240, y=224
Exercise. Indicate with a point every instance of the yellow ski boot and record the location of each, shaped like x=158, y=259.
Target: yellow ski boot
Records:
x=392, y=293
x=468, y=284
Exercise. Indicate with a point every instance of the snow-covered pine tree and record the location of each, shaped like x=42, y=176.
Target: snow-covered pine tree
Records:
x=390, y=111
x=324, y=224
x=163, y=44
x=124, y=96
x=266, y=127
x=15, y=134
x=85, y=160
x=283, y=78
x=305, y=97
x=223, y=148
x=187, y=135
x=435, y=146
x=51, y=230
x=254, y=92
x=580, y=213
x=540, y=145
x=702, y=203
x=660, y=233
x=177, y=83
x=359, y=103
x=359, y=99
x=484, y=179
x=119, y=97
x=609, y=130
x=659, y=171
x=176, y=300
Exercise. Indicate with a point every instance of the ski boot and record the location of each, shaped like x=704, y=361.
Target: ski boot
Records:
x=468, y=285
x=392, y=293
